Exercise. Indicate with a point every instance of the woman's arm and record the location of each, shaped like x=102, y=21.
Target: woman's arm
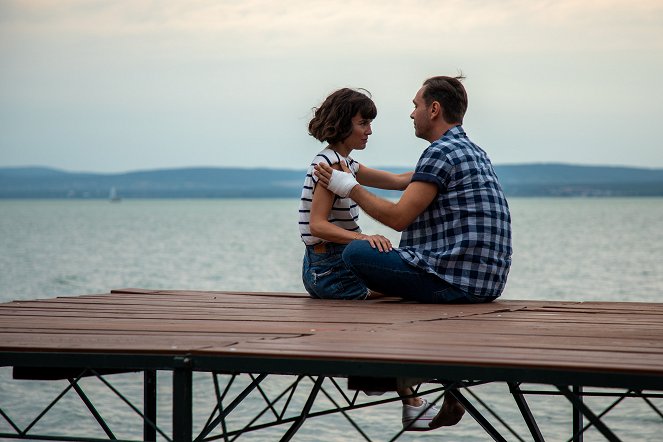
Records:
x=322, y=228
x=383, y=179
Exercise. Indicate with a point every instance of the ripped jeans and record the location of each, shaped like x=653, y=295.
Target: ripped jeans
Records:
x=325, y=276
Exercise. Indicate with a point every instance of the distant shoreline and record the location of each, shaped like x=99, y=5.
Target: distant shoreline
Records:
x=293, y=198
x=527, y=180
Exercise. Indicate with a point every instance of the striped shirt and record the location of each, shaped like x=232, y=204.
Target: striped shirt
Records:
x=464, y=235
x=344, y=212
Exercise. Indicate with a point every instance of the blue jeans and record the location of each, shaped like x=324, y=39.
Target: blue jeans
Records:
x=388, y=273
x=325, y=276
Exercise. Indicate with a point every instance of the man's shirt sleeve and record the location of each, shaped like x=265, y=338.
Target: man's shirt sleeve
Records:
x=433, y=167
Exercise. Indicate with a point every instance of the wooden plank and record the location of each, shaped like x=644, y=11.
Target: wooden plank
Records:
x=270, y=295
x=597, y=337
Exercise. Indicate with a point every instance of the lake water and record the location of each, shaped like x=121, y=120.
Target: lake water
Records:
x=564, y=249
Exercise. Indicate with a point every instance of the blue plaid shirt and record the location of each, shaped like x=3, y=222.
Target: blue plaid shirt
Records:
x=464, y=235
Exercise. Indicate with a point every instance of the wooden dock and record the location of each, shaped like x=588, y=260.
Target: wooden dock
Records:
x=569, y=345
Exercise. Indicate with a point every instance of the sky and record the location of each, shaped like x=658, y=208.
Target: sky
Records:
x=118, y=86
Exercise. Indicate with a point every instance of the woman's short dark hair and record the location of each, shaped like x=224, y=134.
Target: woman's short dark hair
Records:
x=332, y=121
x=450, y=93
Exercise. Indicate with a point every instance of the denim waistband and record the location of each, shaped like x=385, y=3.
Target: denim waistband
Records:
x=326, y=247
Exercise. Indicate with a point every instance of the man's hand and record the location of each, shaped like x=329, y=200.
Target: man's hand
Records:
x=340, y=183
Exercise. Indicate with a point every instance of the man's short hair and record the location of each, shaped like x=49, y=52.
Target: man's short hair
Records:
x=450, y=93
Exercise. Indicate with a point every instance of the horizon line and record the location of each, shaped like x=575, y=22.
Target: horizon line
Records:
x=155, y=169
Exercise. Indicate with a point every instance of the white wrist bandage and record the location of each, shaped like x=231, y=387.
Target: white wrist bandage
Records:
x=341, y=183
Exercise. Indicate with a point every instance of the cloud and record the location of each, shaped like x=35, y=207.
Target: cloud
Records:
x=141, y=75
x=266, y=27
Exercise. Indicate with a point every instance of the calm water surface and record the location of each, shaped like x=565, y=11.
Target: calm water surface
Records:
x=564, y=249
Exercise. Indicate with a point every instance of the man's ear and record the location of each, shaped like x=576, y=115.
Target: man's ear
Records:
x=435, y=110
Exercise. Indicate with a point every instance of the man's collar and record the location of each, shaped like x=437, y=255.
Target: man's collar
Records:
x=456, y=130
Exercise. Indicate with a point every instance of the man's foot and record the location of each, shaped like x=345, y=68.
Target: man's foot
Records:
x=450, y=413
x=372, y=294
x=412, y=421
x=373, y=392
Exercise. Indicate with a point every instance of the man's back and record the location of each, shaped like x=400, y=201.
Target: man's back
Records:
x=464, y=236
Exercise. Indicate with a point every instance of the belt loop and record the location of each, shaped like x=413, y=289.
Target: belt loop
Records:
x=320, y=248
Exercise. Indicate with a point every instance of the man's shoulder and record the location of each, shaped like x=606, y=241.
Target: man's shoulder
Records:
x=455, y=136
x=452, y=149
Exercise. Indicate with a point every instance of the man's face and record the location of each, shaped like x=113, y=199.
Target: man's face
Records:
x=420, y=115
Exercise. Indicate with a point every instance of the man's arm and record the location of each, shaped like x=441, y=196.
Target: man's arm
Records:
x=417, y=196
x=383, y=179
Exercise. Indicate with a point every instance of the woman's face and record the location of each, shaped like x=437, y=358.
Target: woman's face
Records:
x=361, y=129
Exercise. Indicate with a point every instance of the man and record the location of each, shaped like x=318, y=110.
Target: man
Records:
x=456, y=240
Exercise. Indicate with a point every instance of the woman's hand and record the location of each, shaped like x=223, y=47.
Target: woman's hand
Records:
x=377, y=241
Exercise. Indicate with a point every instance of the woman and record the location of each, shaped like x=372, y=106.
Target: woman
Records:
x=327, y=223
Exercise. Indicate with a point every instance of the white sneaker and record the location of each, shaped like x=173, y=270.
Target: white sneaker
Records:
x=411, y=419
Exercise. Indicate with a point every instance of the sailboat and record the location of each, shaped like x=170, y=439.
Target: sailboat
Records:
x=113, y=197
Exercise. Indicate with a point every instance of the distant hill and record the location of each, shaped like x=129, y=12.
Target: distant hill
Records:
x=517, y=180
x=573, y=180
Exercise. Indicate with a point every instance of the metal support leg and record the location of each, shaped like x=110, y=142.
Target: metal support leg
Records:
x=526, y=412
x=639, y=394
x=225, y=411
x=578, y=433
x=88, y=404
x=182, y=405
x=149, y=405
x=589, y=414
x=490, y=429
x=305, y=411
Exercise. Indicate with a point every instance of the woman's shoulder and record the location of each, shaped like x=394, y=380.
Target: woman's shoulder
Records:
x=328, y=156
x=331, y=157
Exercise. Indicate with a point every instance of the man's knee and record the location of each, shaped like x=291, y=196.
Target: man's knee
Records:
x=355, y=252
